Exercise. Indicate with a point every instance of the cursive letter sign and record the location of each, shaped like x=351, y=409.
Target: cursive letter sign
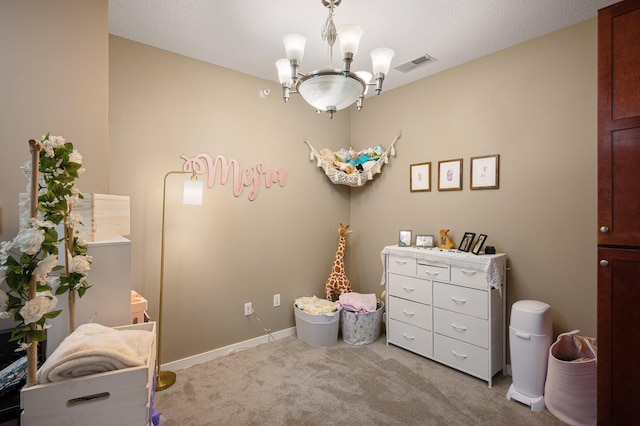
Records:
x=204, y=164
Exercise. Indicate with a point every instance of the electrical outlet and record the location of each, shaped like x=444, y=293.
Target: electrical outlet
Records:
x=276, y=300
x=248, y=309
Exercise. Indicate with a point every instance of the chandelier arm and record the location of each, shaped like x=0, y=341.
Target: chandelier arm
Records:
x=348, y=58
x=379, y=80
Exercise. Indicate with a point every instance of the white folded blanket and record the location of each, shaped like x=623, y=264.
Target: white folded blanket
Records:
x=93, y=348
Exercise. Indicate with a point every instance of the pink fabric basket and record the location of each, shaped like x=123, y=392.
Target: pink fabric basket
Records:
x=570, y=392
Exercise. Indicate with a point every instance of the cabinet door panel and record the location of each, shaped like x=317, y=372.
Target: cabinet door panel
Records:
x=619, y=124
x=619, y=188
x=618, y=326
x=624, y=68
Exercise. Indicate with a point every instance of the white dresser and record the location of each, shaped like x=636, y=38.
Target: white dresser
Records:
x=447, y=306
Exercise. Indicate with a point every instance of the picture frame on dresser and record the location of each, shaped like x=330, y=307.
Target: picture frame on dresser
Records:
x=485, y=172
x=467, y=240
x=479, y=244
x=404, y=238
x=425, y=241
x=420, y=177
x=450, y=175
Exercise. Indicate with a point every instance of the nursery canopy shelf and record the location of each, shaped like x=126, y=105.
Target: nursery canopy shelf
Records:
x=358, y=178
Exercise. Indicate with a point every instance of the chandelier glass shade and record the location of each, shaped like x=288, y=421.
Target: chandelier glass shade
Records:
x=330, y=90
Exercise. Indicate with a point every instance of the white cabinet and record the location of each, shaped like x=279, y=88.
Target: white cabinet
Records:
x=108, y=301
x=447, y=306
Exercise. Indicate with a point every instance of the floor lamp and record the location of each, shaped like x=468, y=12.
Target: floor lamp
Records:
x=192, y=194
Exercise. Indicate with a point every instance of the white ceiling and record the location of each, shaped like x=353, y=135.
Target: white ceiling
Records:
x=246, y=35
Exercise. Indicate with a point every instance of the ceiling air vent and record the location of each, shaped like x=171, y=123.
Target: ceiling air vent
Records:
x=416, y=63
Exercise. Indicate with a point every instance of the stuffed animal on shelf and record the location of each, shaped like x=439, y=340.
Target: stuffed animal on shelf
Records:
x=338, y=283
x=445, y=241
x=344, y=167
x=327, y=155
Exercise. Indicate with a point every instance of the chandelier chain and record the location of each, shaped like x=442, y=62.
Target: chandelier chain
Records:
x=328, y=31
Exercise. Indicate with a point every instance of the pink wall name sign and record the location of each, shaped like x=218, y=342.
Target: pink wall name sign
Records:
x=203, y=164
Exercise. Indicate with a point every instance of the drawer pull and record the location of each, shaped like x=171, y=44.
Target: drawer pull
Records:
x=468, y=272
x=459, y=327
x=432, y=274
x=408, y=313
x=455, y=299
x=401, y=261
x=408, y=337
x=405, y=288
x=458, y=355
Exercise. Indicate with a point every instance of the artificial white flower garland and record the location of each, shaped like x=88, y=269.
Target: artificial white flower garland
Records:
x=32, y=256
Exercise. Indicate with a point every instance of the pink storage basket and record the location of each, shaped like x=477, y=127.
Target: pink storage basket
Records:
x=570, y=392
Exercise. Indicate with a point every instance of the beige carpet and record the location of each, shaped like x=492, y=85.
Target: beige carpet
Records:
x=288, y=382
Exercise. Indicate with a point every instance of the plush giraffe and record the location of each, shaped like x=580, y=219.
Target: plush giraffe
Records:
x=338, y=283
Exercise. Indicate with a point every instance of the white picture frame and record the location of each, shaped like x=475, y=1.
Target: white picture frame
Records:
x=404, y=238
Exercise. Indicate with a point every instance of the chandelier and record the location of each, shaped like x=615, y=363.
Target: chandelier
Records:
x=331, y=89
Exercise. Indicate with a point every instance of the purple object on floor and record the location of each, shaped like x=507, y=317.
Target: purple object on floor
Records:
x=154, y=415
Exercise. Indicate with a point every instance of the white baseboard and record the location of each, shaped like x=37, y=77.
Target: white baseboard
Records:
x=181, y=364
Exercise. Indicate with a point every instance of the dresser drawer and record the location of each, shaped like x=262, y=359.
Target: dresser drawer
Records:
x=410, y=312
x=460, y=355
x=434, y=272
x=410, y=288
x=401, y=264
x=462, y=327
x=467, y=276
x=413, y=338
x=464, y=300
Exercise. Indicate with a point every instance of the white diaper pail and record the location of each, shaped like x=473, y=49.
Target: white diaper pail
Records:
x=530, y=334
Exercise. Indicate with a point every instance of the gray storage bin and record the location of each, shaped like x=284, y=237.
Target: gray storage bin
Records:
x=361, y=328
x=317, y=330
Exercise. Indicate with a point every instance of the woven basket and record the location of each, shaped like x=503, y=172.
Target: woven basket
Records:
x=570, y=392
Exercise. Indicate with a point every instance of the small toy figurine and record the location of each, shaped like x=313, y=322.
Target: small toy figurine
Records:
x=445, y=240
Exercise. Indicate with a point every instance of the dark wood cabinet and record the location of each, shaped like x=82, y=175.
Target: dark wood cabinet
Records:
x=618, y=336
x=618, y=213
x=619, y=124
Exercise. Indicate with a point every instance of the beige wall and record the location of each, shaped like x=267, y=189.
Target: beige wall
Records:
x=535, y=105
x=230, y=250
x=53, y=78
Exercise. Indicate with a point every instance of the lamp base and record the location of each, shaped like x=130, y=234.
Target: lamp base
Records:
x=165, y=380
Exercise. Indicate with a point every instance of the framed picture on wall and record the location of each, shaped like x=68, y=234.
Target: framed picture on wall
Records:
x=485, y=172
x=424, y=241
x=478, y=246
x=467, y=240
x=450, y=175
x=420, y=177
x=404, y=239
